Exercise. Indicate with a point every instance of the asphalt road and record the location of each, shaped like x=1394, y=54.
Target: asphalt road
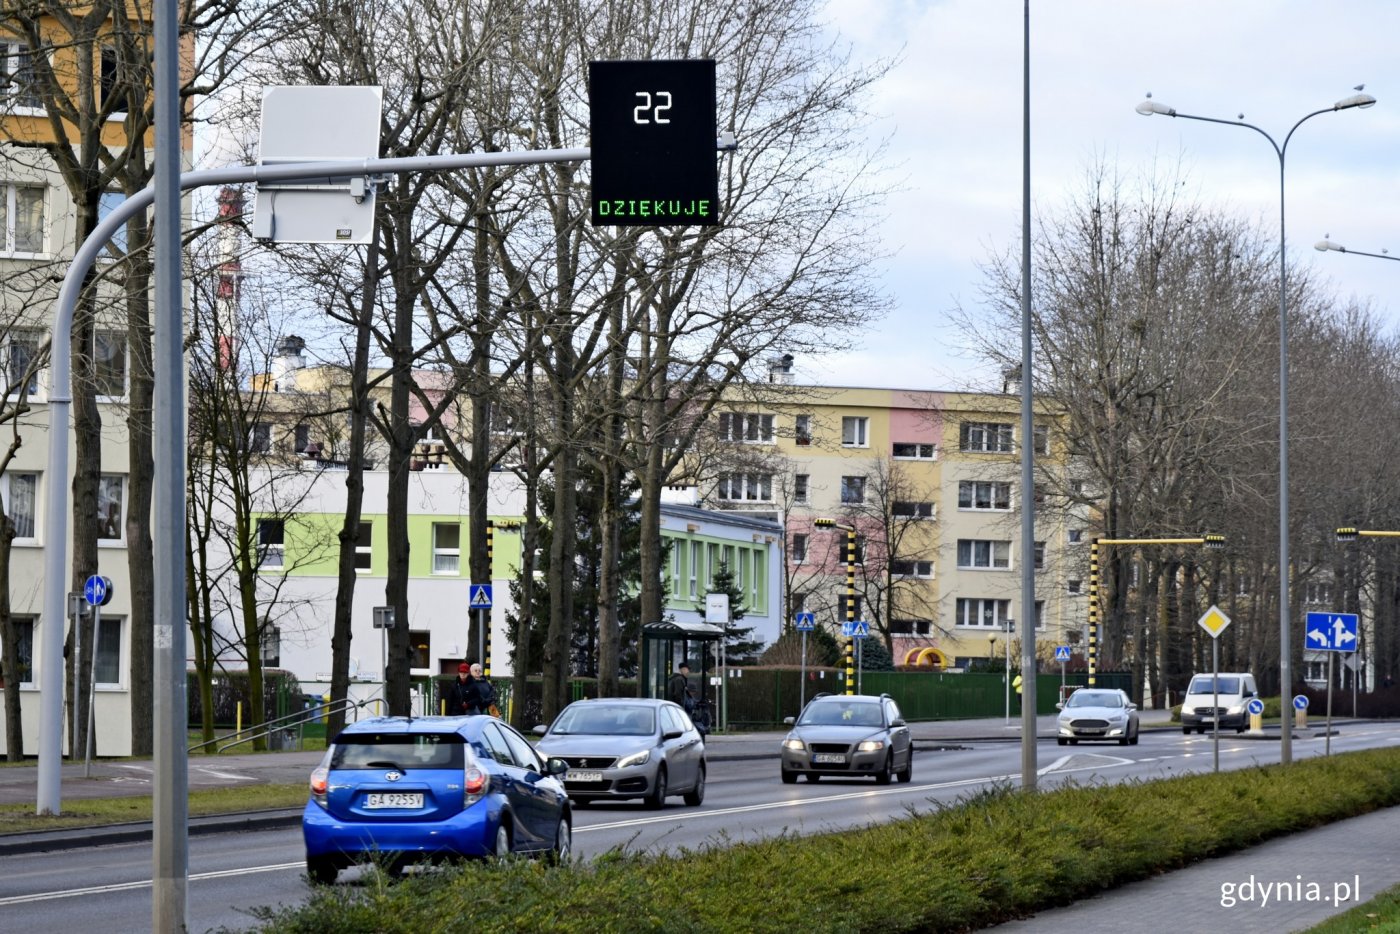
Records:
x=108, y=888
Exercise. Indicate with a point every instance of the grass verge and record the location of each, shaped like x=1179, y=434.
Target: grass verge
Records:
x=992, y=857
x=1381, y=915
x=92, y=812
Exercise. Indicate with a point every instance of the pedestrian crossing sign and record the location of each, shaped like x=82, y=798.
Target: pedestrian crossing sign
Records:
x=481, y=597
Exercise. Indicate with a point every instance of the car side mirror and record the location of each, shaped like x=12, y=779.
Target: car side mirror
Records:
x=897, y=721
x=1059, y=705
x=1132, y=706
x=671, y=734
x=789, y=721
x=540, y=729
x=556, y=767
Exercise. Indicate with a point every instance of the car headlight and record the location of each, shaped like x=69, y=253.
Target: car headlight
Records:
x=637, y=758
x=871, y=745
x=795, y=744
x=1238, y=708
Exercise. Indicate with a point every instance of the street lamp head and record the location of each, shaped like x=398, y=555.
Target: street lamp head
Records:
x=1356, y=100
x=1149, y=107
x=1325, y=245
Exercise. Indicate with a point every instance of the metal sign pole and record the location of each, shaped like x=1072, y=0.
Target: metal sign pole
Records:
x=802, y=684
x=1327, y=749
x=1215, y=704
x=92, y=689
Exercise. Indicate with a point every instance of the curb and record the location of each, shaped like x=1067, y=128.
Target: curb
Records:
x=45, y=841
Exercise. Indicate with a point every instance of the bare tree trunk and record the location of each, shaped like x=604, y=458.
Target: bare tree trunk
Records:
x=140, y=551
x=14, y=727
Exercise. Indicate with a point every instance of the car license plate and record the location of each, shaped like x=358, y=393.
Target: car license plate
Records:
x=574, y=775
x=394, y=800
x=832, y=757
x=1207, y=719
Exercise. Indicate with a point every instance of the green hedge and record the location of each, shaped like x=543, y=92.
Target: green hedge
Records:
x=994, y=856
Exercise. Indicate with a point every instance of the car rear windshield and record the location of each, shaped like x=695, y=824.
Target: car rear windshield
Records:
x=1201, y=684
x=607, y=720
x=841, y=713
x=402, y=751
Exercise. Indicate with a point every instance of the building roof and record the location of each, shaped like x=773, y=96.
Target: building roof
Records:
x=721, y=516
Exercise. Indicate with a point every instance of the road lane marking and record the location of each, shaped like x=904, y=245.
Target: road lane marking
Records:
x=142, y=884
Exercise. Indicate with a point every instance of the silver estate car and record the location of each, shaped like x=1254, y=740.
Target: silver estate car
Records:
x=1098, y=714
x=848, y=735
x=619, y=748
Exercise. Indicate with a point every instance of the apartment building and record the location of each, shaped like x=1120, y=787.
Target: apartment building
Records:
x=930, y=483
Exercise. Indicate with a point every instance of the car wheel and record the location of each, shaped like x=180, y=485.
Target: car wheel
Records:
x=563, y=849
x=502, y=847
x=1123, y=741
x=1186, y=731
x=1061, y=741
x=1200, y=729
x=696, y=796
x=813, y=777
x=886, y=774
x=906, y=774
x=657, y=798
x=789, y=777
x=322, y=870
x=1074, y=742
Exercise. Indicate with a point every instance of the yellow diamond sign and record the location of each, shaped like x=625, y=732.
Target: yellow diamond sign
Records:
x=1214, y=621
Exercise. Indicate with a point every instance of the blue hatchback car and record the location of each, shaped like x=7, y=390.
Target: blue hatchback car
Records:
x=404, y=790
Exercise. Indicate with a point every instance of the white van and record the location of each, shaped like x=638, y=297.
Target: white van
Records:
x=1199, y=710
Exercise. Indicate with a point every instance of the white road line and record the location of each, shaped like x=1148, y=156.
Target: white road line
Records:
x=141, y=884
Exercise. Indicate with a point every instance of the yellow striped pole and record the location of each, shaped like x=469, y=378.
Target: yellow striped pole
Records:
x=850, y=610
x=486, y=614
x=1093, y=609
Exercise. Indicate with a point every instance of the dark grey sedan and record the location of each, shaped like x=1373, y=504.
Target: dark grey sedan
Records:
x=849, y=735
x=627, y=748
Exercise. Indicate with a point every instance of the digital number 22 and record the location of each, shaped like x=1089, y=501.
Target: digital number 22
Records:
x=639, y=113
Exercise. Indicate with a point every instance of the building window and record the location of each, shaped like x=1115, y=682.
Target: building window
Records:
x=108, y=202
x=799, y=488
x=301, y=438
x=1076, y=488
x=109, y=363
x=911, y=568
x=994, y=437
x=1076, y=536
x=21, y=82
x=1318, y=593
x=751, y=427
x=984, y=494
x=1074, y=586
x=745, y=487
x=756, y=579
x=22, y=220
x=1041, y=435
x=260, y=438
x=271, y=646
x=908, y=450
x=21, y=362
x=802, y=430
x=419, y=648
x=364, y=547
x=675, y=569
x=852, y=489
x=855, y=432
x=24, y=648
x=980, y=611
x=271, y=539
x=979, y=553
x=111, y=501
x=910, y=627
x=847, y=607
x=1040, y=614
x=447, y=548
x=798, y=600
x=20, y=492
x=908, y=510
x=113, y=94
x=799, y=548
x=696, y=557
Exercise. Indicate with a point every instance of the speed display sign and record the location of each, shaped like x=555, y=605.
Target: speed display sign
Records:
x=653, y=132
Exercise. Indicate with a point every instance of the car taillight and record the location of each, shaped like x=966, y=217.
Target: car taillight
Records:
x=320, y=782
x=474, y=785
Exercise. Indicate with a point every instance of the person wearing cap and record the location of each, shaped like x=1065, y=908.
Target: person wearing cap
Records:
x=461, y=695
x=678, y=690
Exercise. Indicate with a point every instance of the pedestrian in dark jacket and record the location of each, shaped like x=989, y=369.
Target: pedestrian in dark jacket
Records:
x=461, y=694
x=483, y=691
x=678, y=689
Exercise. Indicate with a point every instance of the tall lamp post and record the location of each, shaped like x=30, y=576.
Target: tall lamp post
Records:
x=850, y=531
x=1147, y=108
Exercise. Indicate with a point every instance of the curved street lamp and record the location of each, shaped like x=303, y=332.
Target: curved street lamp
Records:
x=1327, y=245
x=828, y=523
x=1147, y=108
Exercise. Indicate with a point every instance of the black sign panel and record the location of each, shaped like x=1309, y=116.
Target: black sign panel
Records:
x=653, y=128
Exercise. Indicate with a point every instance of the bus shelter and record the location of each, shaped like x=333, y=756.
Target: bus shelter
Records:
x=665, y=645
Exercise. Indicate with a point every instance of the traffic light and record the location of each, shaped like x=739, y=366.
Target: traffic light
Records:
x=1214, y=542
x=1348, y=534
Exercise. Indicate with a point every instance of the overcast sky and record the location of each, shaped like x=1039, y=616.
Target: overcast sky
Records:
x=953, y=108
